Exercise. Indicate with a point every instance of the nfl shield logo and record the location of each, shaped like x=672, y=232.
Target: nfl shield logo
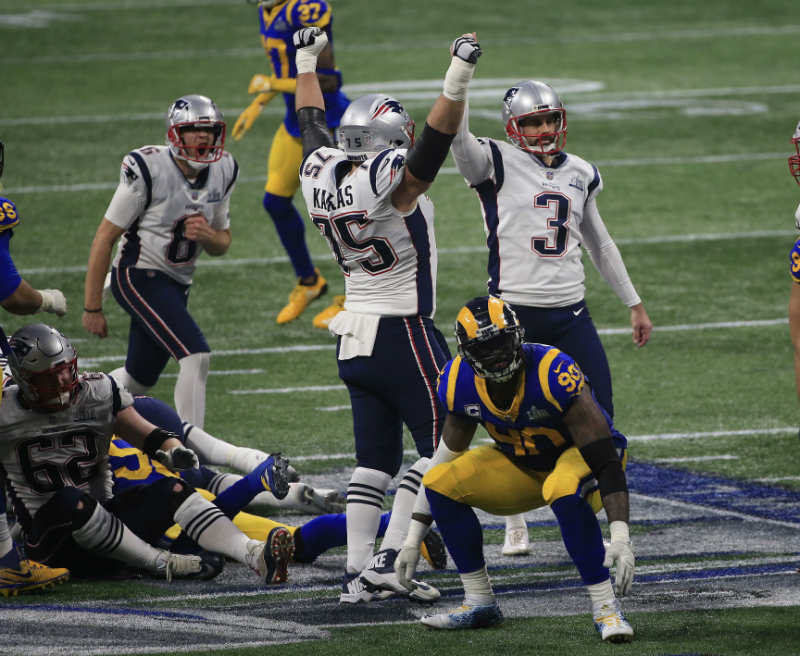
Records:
x=549, y=174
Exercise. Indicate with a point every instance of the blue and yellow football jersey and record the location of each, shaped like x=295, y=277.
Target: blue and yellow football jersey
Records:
x=530, y=429
x=794, y=261
x=277, y=27
x=9, y=276
x=130, y=466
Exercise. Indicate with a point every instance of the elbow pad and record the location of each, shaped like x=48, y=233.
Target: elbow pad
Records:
x=428, y=153
x=313, y=129
x=601, y=456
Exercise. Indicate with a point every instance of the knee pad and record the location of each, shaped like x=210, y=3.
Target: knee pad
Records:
x=276, y=206
x=174, y=490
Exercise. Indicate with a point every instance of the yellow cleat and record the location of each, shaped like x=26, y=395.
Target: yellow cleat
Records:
x=300, y=297
x=30, y=576
x=324, y=318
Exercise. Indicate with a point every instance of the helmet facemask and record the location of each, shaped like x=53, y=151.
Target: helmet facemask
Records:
x=794, y=160
x=496, y=359
x=545, y=143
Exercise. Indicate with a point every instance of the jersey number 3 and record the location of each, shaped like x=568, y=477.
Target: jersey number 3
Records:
x=553, y=245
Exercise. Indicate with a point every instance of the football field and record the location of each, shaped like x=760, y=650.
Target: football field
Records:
x=687, y=110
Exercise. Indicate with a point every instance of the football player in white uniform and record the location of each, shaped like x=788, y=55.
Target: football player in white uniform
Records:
x=55, y=430
x=172, y=203
x=366, y=197
x=539, y=206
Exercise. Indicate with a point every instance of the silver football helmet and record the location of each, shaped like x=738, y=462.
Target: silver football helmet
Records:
x=530, y=98
x=46, y=367
x=373, y=123
x=194, y=112
x=794, y=160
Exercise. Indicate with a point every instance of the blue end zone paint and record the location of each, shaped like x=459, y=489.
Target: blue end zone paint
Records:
x=756, y=499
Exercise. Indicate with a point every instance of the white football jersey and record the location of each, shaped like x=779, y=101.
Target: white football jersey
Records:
x=532, y=219
x=44, y=452
x=388, y=259
x=152, y=201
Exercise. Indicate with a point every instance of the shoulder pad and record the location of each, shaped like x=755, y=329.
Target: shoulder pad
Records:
x=794, y=262
x=308, y=13
x=9, y=217
x=560, y=377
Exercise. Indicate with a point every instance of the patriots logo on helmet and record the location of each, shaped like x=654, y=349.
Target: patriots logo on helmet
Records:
x=510, y=95
x=388, y=106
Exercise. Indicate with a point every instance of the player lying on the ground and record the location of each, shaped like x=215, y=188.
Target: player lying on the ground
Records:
x=212, y=450
x=55, y=431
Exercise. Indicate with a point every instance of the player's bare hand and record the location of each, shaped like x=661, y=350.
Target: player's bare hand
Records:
x=95, y=323
x=641, y=324
x=466, y=47
x=196, y=228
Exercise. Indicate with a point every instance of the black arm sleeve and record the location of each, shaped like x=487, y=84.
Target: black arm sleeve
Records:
x=428, y=153
x=601, y=456
x=313, y=129
x=155, y=439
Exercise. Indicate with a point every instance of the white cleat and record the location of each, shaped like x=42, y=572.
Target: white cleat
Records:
x=379, y=576
x=466, y=617
x=181, y=566
x=516, y=542
x=611, y=623
x=354, y=591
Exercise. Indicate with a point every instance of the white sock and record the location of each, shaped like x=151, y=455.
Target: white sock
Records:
x=365, y=494
x=190, y=388
x=124, y=379
x=6, y=543
x=403, y=505
x=221, y=482
x=515, y=521
x=105, y=534
x=601, y=593
x=477, y=588
x=206, y=524
x=209, y=449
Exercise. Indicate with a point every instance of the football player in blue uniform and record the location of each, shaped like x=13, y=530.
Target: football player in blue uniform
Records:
x=278, y=20
x=18, y=297
x=794, y=267
x=554, y=445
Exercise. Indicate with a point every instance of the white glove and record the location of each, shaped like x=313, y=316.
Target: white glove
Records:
x=177, y=458
x=465, y=51
x=467, y=48
x=405, y=565
x=310, y=41
x=619, y=554
x=53, y=300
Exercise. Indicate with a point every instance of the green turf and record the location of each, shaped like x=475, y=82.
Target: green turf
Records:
x=678, y=81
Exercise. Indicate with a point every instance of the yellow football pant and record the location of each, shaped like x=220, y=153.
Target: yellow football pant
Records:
x=486, y=478
x=283, y=165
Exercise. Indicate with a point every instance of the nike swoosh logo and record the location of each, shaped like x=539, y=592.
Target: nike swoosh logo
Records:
x=577, y=312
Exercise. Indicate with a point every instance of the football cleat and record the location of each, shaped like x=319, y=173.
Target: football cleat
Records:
x=379, y=576
x=466, y=617
x=324, y=318
x=181, y=566
x=323, y=501
x=611, y=623
x=271, y=558
x=300, y=297
x=30, y=576
x=354, y=592
x=273, y=474
x=432, y=550
x=516, y=542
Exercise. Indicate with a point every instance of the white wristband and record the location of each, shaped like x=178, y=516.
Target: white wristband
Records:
x=306, y=62
x=457, y=79
x=619, y=531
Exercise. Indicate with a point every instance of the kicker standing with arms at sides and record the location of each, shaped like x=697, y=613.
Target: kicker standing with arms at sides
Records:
x=172, y=203
x=18, y=297
x=278, y=20
x=554, y=445
x=794, y=257
x=539, y=205
x=367, y=198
